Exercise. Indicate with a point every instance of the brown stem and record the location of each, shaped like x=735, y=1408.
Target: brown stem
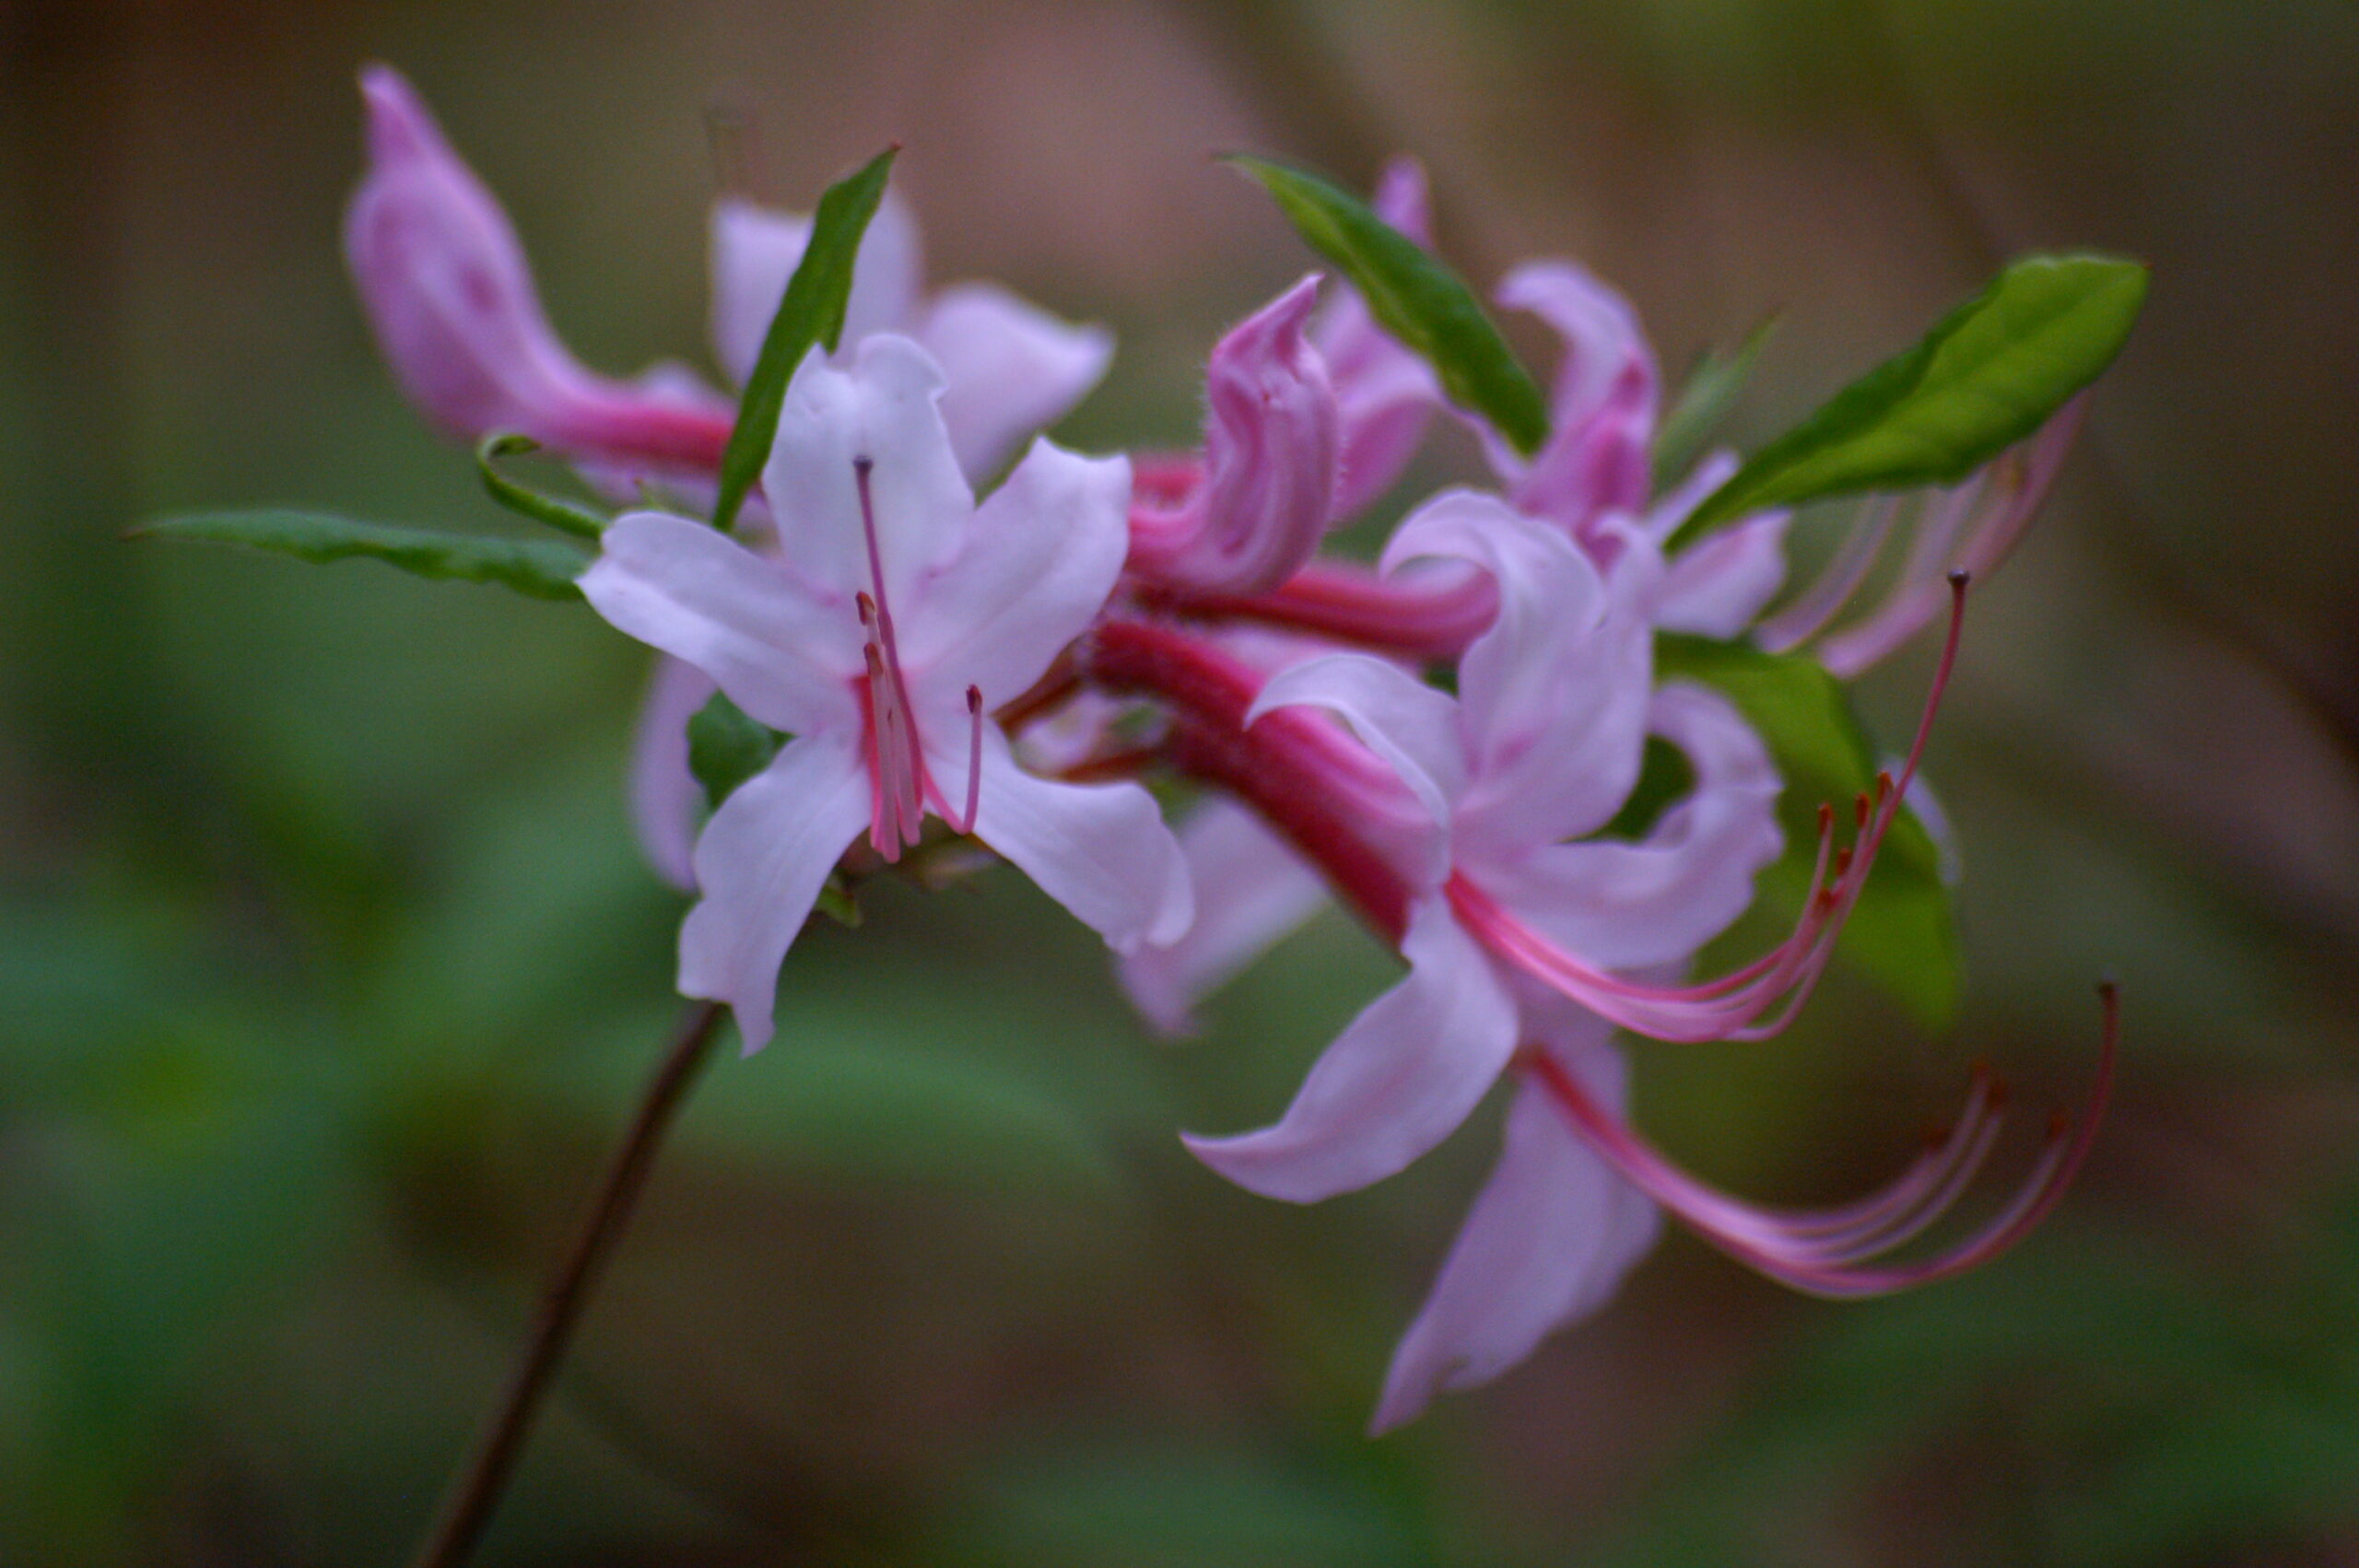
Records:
x=467, y=1508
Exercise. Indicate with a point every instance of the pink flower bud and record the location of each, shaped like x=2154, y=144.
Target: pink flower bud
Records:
x=1268, y=487
x=447, y=288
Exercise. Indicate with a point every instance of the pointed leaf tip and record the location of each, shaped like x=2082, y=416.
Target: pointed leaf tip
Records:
x=811, y=313
x=1418, y=299
x=1988, y=374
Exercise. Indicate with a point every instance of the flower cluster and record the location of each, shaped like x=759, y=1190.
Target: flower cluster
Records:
x=1453, y=743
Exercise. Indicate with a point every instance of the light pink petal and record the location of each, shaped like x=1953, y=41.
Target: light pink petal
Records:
x=1270, y=443
x=1548, y=1240
x=761, y=863
x=666, y=801
x=1398, y=1080
x=1035, y=567
x=1553, y=696
x=1014, y=369
x=879, y=406
x=685, y=588
x=1251, y=889
x=1602, y=409
x=1623, y=904
x=1412, y=726
x=1715, y=588
x=1099, y=850
x=755, y=252
x=1385, y=393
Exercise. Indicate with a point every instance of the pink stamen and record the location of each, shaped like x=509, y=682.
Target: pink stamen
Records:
x=1824, y=1252
x=897, y=817
x=1774, y=986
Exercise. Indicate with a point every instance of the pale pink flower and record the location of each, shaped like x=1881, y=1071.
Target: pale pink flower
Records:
x=899, y=616
x=1538, y=749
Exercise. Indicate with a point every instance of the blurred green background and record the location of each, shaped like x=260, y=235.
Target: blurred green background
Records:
x=327, y=970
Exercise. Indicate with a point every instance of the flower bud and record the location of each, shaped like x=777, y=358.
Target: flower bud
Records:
x=1268, y=487
x=447, y=290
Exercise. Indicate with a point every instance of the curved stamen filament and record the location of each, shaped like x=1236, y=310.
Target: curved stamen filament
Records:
x=1827, y=1252
x=1773, y=986
x=1824, y=598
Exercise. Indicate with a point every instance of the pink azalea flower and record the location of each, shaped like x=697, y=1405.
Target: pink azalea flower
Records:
x=448, y=290
x=1538, y=749
x=901, y=617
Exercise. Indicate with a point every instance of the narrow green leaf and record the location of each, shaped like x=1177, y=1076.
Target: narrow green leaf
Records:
x=580, y=521
x=726, y=747
x=1418, y=298
x=1703, y=402
x=539, y=569
x=1901, y=935
x=811, y=312
x=1988, y=375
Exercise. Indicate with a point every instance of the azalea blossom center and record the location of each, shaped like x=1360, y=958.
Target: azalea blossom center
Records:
x=900, y=783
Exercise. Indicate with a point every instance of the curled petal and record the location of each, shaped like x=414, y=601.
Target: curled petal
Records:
x=1552, y=697
x=1626, y=905
x=665, y=799
x=1602, y=409
x=783, y=657
x=1398, y=1080
x=1548, y=1240
x=1970, y=528
x=761, y=863
x=1099, y=850
x=1251, y=890
x=1408, y=723
x=1268, y=489
x=1013, y=367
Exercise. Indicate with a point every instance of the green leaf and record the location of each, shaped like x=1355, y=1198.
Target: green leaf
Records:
x=726, y=747
x=1703, y=402
x=564, y=516
x=1901, y=935
x=812, y=312
x=541, y=569
x=1988, y=375
x=1418, y=298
